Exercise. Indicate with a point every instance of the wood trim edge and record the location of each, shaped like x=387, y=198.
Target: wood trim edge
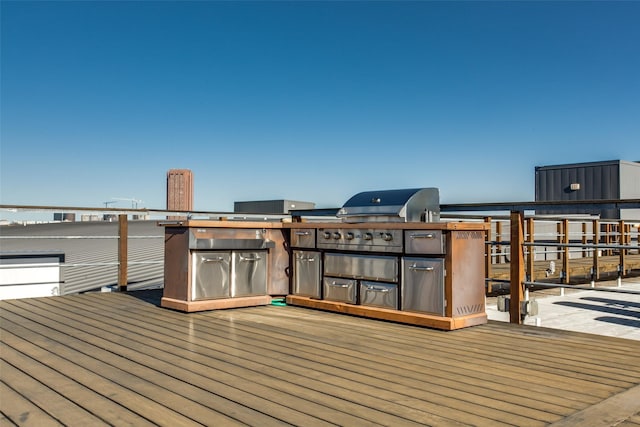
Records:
x=417, y=319
x=214, y=304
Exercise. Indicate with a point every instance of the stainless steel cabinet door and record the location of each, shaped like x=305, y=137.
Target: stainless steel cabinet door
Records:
x=249, y=273
x=306, y=273
x=423, y=285
x=211, y=275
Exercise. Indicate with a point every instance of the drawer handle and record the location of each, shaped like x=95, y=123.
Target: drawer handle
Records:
x=423, y=236
x=305, y=258
x=249, y=258
x=338, y=285
x=416, y=268
x=374, y=289
x=303, y=233
x=219, y=259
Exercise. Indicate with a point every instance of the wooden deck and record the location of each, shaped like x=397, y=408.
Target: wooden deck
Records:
x=120, y=359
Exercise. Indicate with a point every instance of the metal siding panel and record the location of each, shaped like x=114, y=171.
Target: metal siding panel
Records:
x=614, y=190
x=607, y=183
x=544, y=185
x=563, y=182
x=538, y=184
x=589, y=182
x=629, y=180
x=581, y=179
x=558, y=177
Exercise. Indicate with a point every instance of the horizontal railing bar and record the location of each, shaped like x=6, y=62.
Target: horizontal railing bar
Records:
x=546, y=205
x=583, y=245
x=568, y=245
x=78, y=237
x=102, y=264
x=559, y=285
x=584, y=288
x=91, y=264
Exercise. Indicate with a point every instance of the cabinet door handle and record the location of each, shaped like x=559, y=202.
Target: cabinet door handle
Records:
x=338, y=285
x=416, y=268
x=423, y=236
x=248, y=259
x=303, y=233
x=374, y=289
x=219, y=259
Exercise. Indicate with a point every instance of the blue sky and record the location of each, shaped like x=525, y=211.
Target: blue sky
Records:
x=311, y=101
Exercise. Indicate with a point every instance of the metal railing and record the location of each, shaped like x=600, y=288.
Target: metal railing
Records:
x=111, y=268
x=520, y=282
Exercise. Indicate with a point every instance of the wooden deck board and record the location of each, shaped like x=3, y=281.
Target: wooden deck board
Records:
x=329, y=398
x=120, y=359
x=391, y=373
x=169, y=375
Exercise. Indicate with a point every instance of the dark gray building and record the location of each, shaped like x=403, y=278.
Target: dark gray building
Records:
x=277, y=207
x=606, y=180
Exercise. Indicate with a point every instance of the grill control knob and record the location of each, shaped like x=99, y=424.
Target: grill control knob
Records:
x=349, y=236
x=326, y=235
x=337, y=235
x=368, y=236
x=387, y=237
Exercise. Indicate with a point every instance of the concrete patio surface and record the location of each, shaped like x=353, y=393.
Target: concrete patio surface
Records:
x=597, y=312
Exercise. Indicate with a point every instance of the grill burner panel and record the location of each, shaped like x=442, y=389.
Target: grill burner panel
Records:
x=365, y=240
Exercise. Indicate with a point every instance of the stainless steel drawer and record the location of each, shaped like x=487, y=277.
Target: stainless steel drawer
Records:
x=423, y=285
x=307, y=267
x=429, y=242
x=303, y=238
x=337, y=289
x=378, y=294
x=368, y=267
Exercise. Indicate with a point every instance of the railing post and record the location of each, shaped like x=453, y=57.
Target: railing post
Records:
x=488, y=248
x=531, y=254
x=559, y=248
x=623, y=252
x=565, y=251
x=123, y=232
x=499, y=239
x=517, y=266
x=596, y=251
x=585, y=239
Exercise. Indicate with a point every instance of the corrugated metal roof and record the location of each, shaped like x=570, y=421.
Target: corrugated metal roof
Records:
x=585, y=164
x=91, y=251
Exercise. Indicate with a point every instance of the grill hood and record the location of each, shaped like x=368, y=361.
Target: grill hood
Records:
x=406, y=205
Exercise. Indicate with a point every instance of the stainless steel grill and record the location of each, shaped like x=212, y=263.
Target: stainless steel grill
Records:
x=410, y=205
x=406, y=205
x=363, y=254
x=390, y=253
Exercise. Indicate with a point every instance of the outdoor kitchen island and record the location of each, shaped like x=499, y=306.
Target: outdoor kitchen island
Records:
x=387, y=256
x=212, y=265
x=428, y=274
